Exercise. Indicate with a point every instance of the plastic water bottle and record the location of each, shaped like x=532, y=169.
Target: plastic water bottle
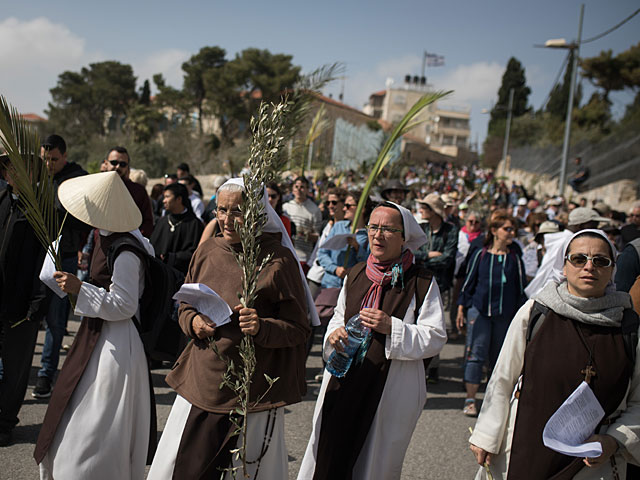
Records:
x=339, y=362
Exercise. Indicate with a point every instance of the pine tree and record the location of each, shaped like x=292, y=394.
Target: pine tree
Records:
x=514, y=77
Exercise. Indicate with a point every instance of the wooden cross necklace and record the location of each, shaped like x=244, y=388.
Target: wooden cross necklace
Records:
x=588, y=371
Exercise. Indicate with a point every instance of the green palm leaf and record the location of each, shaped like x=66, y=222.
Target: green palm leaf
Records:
x=406, y=124
x=30, y=177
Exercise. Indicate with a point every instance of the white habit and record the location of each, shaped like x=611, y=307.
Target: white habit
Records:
x=404, y=393
x=103, y=433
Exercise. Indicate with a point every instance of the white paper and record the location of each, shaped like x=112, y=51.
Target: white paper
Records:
x=338, y=242
x=574, y=422
x=48, y=269
x=206, y=301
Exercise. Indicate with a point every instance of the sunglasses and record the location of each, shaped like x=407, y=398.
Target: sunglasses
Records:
x=349, y=205
x=273, y=196
x=332, y=202
x=581, y=259
x=116, y=163
x=473, y=221
x=509, y=229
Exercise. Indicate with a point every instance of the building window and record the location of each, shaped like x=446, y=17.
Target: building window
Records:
x=399, y=99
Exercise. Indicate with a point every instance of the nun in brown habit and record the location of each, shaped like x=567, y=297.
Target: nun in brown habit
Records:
x=578, y=340
x=196, y=440
x=363, y=422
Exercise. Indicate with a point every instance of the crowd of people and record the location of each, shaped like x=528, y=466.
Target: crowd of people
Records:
x=540, y=289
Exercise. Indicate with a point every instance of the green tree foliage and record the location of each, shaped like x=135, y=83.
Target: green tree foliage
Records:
x=145, y=94
x=206, y=59
x=603, y=71
x=83, y=101
x=514, y=77
x=559, y=98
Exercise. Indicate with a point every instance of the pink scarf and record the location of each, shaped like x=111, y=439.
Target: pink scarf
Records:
x=471, y=235
x=383, y=273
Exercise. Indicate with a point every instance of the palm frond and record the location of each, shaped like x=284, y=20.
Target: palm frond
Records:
x=318, y=125
x=405, y=125
x=30, y=177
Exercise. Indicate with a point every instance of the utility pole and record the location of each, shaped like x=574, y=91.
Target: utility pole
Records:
x=505, y=148
x=567, y=129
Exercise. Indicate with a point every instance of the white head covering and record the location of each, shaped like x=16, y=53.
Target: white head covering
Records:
x=558, y=265
x=414, y=236
x=275, y=225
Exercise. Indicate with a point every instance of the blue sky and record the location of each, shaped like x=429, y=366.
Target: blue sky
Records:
x=375, y=40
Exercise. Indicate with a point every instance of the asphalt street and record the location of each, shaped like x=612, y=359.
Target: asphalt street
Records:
x=438, y=449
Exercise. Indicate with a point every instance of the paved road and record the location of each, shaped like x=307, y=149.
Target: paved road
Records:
x=438, y=448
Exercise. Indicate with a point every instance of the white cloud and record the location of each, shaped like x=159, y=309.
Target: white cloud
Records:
x=168, y=62
x=478, y=82
x=32, y=54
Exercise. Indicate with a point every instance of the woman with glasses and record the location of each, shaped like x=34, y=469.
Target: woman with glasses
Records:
x=492, y=293
x=576, y=329
x=363, y=422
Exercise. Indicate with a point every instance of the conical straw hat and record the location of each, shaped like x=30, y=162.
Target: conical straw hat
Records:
x=102, y=201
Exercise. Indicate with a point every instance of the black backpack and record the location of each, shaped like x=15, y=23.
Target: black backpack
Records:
x=158, y=323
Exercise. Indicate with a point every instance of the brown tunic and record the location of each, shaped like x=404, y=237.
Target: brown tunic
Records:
x=552, y=371
x=279, y=344
x=351, y=402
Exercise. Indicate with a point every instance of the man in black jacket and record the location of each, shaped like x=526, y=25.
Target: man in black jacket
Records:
x=74, y=236
x=23, y=302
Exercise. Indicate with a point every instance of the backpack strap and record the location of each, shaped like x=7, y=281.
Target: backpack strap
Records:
x=538, y=311
x=629, y=327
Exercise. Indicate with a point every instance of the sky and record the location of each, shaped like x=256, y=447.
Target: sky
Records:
x=375, y=40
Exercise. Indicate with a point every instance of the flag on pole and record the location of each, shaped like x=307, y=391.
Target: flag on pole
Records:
x=434, y=60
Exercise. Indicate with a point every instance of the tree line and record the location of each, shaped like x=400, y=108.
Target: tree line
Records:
x=591, y=120
x=101, y=105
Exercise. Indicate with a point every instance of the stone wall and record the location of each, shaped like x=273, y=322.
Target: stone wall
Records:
x=619, y=195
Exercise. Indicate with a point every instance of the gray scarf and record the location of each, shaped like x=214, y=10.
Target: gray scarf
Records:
x=605, y=311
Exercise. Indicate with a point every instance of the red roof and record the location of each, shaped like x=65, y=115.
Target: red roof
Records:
x=32, y=117
x=340, y=104
x=381, y=93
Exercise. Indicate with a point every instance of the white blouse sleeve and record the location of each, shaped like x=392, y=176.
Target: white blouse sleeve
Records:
x=336, y=321
x=422, y=339
x=121, y=301
x=492, y=421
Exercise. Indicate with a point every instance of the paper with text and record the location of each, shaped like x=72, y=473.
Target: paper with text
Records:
x=206, y=301
x=573, y=423
x=338, y=242
x=49, y=268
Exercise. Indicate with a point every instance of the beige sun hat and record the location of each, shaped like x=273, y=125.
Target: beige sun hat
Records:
x=102, y=201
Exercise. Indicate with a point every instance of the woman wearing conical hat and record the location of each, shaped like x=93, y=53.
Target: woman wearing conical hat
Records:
x=98, y=421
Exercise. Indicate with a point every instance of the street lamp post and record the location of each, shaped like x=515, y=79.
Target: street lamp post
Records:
x=575, y=48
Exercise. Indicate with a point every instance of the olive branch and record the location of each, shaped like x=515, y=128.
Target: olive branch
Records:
x=268, y=129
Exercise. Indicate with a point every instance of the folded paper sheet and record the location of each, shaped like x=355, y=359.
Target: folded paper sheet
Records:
x=206, y=301
x=48, y=269
x=573, y=423
x=337, y=242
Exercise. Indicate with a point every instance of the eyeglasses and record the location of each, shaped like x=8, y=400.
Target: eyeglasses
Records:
x=386, y=231
x=121, y=163
x=349, y=205
x=273, y=196
x=473, y=221
x=508, y=229
x=223, y=213
x=332, y=202
x=581, y=259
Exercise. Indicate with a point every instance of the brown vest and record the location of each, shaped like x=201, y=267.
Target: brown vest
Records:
x=79, y=356
x=553, y=362
x=350, y=403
